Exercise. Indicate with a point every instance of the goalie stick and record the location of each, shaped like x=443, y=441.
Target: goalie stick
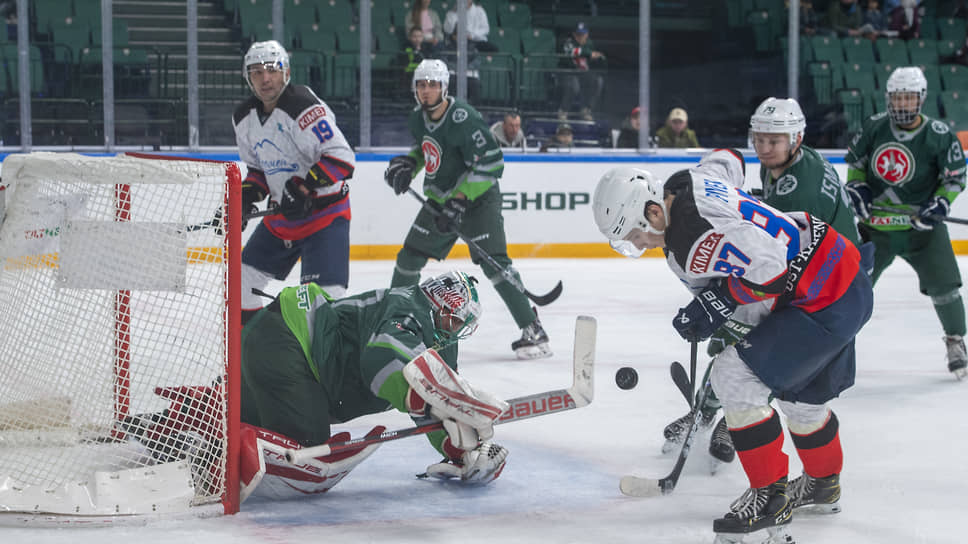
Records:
x=635, y=486
x=506, y=273
x=580, y=394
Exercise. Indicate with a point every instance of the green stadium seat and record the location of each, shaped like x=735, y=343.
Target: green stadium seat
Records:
x=335, y=14
x=9, y=55
x=806, y=52
x=254, y=17
x=51, y=11
x=923, y=51
x=879, y=102
x=852, y=104
x=345, y=78
x=75, y=36
x=119, y=33
x=759, y=21
x=821, y=78
x=348, y=40
x=308, y=67
x=929, y=27
x=736, y=11
x=827, y=48
x=954, y=77
x=859, y=76
x=497, y=75
x=536, y=78
x=882, y=71
x=507, y=40
x=951, y=28
x=295, y=12
x=858, y=50
x=932, y=73
x=388, y=39
x=537, y=40
x=955, y=105
x=87, y=12
x=947, y=48
x=892, y=51
x=399, y=10
x=515, y=15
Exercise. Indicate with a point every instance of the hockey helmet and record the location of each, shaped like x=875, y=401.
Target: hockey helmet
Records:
x=431, y=70
x=619, y=205
x=906, y=79
x=271, y=56
x=779, y=116
x=453, y=295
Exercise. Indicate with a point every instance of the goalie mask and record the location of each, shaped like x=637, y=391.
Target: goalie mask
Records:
x=269, y=55
x=457, y=309
x=431, y=70
x=906, y=91
x=619, y=206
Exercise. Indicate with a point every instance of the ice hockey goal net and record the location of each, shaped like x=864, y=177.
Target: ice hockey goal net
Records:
x=118, y=337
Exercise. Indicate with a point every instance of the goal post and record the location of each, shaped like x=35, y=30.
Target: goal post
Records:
x=119, y=337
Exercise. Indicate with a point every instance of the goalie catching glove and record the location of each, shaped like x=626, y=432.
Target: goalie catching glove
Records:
x=468, y=415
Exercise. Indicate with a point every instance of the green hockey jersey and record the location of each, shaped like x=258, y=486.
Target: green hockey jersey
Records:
x=905, y=168
x=811, y=185
x=458, y=152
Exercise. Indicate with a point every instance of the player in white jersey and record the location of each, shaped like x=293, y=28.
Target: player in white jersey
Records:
x=297, y=156
x=801, y=286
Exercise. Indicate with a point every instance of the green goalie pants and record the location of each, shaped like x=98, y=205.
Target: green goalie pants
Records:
x=930, y=255
x=279, y=391
x=484, y=225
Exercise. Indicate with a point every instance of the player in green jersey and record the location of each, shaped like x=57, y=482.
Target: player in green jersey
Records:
x=462, y=164
x=904, y=169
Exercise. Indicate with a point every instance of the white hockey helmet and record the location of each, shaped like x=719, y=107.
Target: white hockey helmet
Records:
x=453, y=294
x=431, y=70
x=906, y=79
x=619, y=205
x=271, y=56
x=779, y=116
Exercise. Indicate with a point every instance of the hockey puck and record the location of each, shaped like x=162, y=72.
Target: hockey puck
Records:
x=626, y=377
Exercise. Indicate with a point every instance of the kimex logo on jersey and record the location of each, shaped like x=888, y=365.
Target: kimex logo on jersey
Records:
x=311, y=117
x=893, y=163
x=704, y=253
x=431, y=152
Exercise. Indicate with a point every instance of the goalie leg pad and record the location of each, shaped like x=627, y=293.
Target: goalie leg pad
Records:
x=266, y=473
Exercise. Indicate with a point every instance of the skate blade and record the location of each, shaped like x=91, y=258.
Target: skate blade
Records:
x=960, y=373
x=539, y=351
x=773, y=535
x=670, y=445
x=819, y=509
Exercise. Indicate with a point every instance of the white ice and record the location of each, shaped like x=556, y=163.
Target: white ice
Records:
x=903, y=429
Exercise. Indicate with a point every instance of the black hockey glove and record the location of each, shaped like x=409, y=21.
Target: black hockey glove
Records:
x=861, y=198
x=250, y=195
x=295, y=204
x=400, y=173
x=730, y=333
x=932, y=212
x=451, y=215
x=706, y=313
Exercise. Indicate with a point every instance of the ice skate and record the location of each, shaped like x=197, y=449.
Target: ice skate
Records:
x=676, y=431
x=815, y=495
x=721, y=446
x=957, y=358
x=534, y=341
x=760, y=515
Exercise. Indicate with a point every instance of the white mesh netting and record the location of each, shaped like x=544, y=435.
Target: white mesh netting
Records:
x=112, y=335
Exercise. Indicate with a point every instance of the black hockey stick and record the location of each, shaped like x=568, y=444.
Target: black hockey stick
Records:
x=634, y=486
x=217, y=220
x=946, y=219
x=580, y=394
x=682, y=381
x=506, y=273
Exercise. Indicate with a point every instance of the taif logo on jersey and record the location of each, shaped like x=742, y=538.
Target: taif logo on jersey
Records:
x=431, y=152
x=893, y=163
x=786, y=185
x=703, y=255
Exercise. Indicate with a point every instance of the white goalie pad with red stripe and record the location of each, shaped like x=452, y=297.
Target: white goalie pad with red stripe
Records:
x=265, y=472
x=449, y=395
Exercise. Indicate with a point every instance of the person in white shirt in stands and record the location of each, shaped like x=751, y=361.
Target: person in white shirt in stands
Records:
x=477, y=26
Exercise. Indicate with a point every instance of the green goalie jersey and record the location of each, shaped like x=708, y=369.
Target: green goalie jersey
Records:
x=458, y=152
x=812, y=185
x=905, y=168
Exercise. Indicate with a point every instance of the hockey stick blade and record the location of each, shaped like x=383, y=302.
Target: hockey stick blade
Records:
x=580, y=394
x=681, y=380
x=544, y=300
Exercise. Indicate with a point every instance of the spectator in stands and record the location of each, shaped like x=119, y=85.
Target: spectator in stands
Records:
x=563, y=138
x=629, y=135
x=413, y=53
x=845, y=18
x=875, y=18
x=477, y=26
x=906, y=20
x=428, y=21
x=448, y=54
x=675, y=132
x=809, y=19
x=508, y=132
x=581, y=77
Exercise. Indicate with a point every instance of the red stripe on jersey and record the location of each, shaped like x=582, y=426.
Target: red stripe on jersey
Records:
x=335, y=169
x=829, y=273
x=301, y=228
